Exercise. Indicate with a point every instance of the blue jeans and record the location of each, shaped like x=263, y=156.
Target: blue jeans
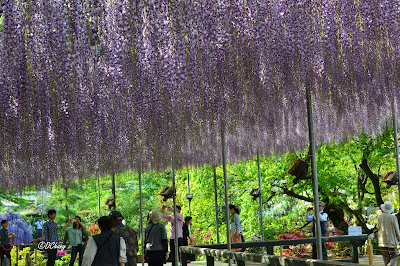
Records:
x=79, y=248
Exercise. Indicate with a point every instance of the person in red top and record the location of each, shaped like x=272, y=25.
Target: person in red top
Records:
x=170, y=218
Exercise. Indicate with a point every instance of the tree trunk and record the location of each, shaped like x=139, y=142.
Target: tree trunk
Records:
x=374, y=179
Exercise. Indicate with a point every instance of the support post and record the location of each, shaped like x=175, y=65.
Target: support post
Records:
x=113, y=189
x=139, y=167
x=370, y=253
x=216, y=203
x=396, y=143
x=98, y=194
x=188, y=182
x=354, y=244
x=228, y=233
x=260, y=199
x=314, y=174
x=175, y=218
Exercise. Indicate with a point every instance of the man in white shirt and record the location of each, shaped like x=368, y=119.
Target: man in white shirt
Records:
x=323, y=220
x=388, y=234
x=106, y=248
x=39, y=228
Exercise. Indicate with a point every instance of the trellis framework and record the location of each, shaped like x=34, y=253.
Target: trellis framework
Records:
x=86, y=86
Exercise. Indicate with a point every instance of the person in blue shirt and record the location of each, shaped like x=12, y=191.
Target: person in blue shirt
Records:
x=323, y=220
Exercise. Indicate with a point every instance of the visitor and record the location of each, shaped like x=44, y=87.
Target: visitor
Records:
x=156, y=241
x=323, y=219
x=170, y=218
x=75, y=235
x=106, y=248
x=128, y=234
x=5, y=246
x=186, y=236
x=39, y=227
x=50, y=235
x=236, y=226
x=29, y=227
x=388, y=234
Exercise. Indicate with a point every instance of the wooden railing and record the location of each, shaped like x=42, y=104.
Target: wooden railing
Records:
x=211, y=251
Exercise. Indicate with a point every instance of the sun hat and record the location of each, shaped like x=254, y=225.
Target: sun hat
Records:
x=387, y=207
x=321, y=203
x=154, y=216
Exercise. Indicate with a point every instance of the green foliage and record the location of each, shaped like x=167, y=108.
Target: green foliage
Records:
x=342, y=183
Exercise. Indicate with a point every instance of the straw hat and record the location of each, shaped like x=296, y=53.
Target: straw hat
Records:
x=387, y=207
x=155, y=216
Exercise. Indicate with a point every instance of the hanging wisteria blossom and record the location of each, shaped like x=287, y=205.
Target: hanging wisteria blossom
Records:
x=89, y=86
x=17, y=225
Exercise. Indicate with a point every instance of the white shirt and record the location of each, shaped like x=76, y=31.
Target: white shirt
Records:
x=323, y=216
x=39, y=225
x=91, y=250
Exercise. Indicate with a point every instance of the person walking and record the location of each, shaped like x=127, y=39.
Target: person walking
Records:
x=5, y=246
x=75, y=235
x=186, y=236
x=50, y=235
x=323, y=220
x=236, y=226
x=39, y=228
x=388, y=234
x=106, y=248
x=156, y=241
x=179, y=219
x=128, y=234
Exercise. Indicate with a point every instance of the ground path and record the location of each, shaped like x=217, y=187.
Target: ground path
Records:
x=378, y=261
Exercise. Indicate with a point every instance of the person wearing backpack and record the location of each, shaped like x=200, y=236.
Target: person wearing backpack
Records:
x=156, y=241
x=106, y=248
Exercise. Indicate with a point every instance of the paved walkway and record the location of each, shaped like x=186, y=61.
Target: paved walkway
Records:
x=378, y=261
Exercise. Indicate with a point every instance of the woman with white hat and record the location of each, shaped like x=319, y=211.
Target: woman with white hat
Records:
x=388, y=234
x=156, y=241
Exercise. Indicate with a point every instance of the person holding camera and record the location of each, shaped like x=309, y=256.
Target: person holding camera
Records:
x=323, y=220
x=179, y=228
x=156, y=241
x=76, y=235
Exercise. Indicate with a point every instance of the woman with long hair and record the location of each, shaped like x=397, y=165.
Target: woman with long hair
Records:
x=236, y=226
x=76, y=235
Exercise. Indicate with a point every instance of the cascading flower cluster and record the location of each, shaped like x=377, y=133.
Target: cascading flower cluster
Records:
x=89, y=86
x=17, y=225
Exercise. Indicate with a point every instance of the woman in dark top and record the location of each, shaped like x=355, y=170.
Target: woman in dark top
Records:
x=156, y=241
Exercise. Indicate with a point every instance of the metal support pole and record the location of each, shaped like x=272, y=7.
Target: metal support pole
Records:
x=216, y=203
x=139, y=167
x=228, y=233
x=42, y=205
x=187, y=169
x=260, y=199
x=396, y=142
x=314, y=174
x=175, y=218
x=98, y=194
x=113, y=189
x=189, y=199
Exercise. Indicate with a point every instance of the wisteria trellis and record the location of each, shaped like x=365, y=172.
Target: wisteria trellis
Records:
x=87, y=86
